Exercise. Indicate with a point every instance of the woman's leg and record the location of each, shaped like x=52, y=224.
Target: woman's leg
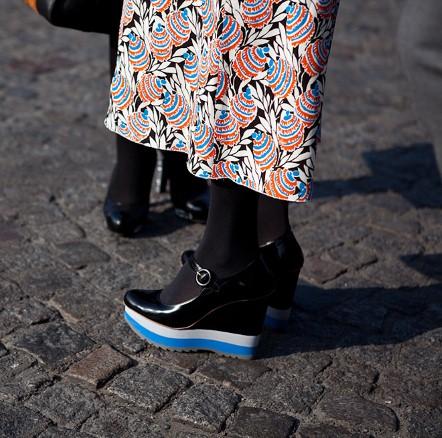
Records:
x=273, y=219
x=230, y=240
x=133, y=172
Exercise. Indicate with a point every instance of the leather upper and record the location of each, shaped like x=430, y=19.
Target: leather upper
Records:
x=253, y=283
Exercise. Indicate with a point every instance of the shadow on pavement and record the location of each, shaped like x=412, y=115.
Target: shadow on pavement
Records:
x=410, y=171
x=327, y=319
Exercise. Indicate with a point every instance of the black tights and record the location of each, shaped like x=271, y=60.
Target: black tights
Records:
x=239, y=221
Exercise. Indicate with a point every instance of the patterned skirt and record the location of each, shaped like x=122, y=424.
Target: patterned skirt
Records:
x=235, y=84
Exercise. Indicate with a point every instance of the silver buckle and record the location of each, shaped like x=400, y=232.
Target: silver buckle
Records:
x=203, y=277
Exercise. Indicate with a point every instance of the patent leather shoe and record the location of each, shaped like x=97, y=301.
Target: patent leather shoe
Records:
x=226, y=317
x=125, y=219
x=284, y=258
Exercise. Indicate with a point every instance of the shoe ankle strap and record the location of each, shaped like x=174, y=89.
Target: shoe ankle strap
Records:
x=204, y=277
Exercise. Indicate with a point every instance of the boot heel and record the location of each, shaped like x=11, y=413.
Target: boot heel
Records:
x=231, y=330
x=280, y=306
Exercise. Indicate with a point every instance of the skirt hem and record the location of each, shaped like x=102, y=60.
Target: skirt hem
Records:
x=240, y=182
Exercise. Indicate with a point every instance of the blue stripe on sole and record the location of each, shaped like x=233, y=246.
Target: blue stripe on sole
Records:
x=189, y=344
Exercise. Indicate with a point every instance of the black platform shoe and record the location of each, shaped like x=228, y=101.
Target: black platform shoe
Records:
x=284, y=259
x=227, y=317
x=125, y=219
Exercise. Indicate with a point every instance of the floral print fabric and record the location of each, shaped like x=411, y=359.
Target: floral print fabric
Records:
x=235, y=84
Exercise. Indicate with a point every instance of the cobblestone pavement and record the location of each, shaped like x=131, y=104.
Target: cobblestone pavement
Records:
x=363, y=354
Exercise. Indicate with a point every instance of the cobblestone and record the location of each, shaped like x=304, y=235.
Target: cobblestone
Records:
x=52, y=343
x=362, y=353
x=358, y=413
x=204, y=406
x=258, y=423
x=20, y=422
x=121, y=423
x=148, y=386
x=234, y=373
x=284, y=393
x=99, y=366
x=67, y=405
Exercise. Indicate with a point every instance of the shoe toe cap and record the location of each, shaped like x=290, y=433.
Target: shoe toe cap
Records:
x=142, y=301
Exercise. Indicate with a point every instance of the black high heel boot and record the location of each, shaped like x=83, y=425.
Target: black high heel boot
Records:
x=226, y=317
x=189, y=194
x=284, y=259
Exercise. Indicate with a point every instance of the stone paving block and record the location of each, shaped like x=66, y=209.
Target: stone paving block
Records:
x=283, y=393
x=204, y=406
x=235, y=373
x=13, y=364
x=186, y=434
x=59, y=232
x=30, y=312
x=84, y=306
x=258, y=423
x=421, y=359
x=350, y=376
x=396, y=389
x=116, y=331
x=20, y=422
x=423, y=423
x=55, y=432
x=326, y=431
x=301, y=364
x=81, y=253
x=383, y=242
x=53, y=343
x=20, y=376
x=121, y=423
x=185, y=362
x=148, y=386
x=113, y=278
x=67, y=405
x=358, y=413
x=9, y=234
x=320, y=271
x=25, y=384
x=99, y=366
x=351, y=256
x=316, y=299
x=365, y=314
x=44, y=283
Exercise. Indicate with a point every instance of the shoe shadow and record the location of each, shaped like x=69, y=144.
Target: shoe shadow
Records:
x=410, y=171
x=326, y=319
x=161, y=223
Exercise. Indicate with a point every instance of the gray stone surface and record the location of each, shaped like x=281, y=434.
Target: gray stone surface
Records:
x=20, y=376
x=205, y=406
x=230, y=372
x=362, y=353
x=358, y=413
x=52, y=343
x=284, y=393
x=148, y=386
x=258, y=423
x=67, y=405
x=121, y=423
x=20, y=422
x=99, y=366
